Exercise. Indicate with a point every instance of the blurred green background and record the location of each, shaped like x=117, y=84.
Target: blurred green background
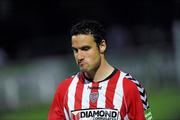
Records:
x=33, y=104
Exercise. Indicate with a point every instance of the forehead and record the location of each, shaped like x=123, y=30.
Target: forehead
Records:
x=82, y=40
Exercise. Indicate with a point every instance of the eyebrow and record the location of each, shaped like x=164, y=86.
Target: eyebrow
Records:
x=86, y=46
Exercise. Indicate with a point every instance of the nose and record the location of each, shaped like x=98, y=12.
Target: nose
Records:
x=80, y=55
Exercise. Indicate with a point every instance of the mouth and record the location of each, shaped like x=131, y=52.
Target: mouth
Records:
x=80, y=64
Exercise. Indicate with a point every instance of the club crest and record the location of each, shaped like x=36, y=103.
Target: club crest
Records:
x=93, y=96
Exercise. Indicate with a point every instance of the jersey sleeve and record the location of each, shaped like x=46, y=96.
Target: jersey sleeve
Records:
x=56, y=111
x=136, y=100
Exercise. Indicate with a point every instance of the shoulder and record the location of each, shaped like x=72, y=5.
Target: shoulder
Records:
x=131, y=82
x=132, y=86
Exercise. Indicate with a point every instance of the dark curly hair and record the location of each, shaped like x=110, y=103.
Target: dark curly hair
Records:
x=89, y=27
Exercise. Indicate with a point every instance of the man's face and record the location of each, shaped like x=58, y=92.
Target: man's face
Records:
x=86, y=52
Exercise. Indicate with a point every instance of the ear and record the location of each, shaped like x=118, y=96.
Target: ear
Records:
x=102, y=46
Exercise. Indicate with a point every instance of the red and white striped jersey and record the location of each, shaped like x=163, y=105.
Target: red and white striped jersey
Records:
x=119, y=97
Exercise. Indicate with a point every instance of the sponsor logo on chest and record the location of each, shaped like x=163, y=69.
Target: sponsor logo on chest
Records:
x=95, y=114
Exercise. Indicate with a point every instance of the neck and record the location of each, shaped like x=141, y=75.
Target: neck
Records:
x=102, y=72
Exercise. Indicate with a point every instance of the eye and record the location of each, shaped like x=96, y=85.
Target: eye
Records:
x=86, y=48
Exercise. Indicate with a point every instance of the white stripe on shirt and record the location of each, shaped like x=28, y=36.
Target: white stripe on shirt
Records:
x=119, y=92
x=102, y=97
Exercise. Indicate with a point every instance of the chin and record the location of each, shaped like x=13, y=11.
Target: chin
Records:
x=84, y=70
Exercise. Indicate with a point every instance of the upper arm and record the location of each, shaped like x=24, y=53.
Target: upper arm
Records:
x=56, y=111
x=136, y=100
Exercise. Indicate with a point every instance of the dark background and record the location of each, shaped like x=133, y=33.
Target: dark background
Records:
x=33, y=28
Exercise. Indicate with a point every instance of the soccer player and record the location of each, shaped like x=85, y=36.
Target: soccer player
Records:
x=99, y=91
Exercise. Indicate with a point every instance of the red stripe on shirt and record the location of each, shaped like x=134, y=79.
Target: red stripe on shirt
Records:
x=123, y=109
x=110, y=90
